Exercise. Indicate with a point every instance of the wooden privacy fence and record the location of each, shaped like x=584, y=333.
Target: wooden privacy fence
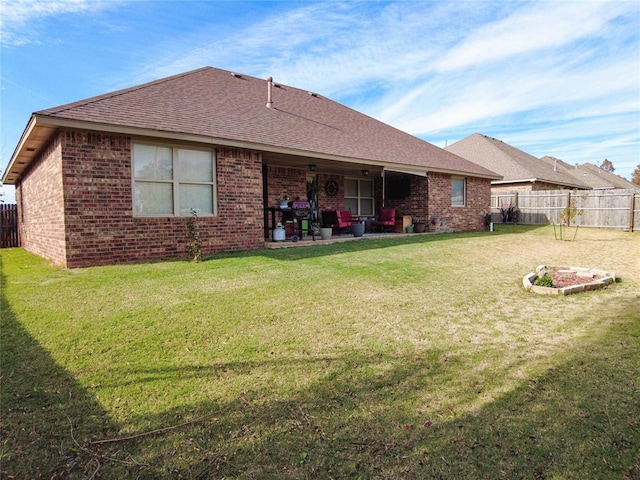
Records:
x=616, y=208
x=9, y=226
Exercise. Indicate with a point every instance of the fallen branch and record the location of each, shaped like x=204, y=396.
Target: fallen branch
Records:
x=98, y=456
x=145, y=434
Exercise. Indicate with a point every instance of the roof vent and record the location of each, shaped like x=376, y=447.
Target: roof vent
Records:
x=237, y=75
x=313, y=94
x=270, y=92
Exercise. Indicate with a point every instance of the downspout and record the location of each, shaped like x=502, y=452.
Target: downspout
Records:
x=382, y=175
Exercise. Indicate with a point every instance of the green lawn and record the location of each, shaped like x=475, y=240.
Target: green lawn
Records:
x=412, y=358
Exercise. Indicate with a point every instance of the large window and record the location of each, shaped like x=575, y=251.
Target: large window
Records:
x=458, y=192
x=172, y=181
x=358, y=196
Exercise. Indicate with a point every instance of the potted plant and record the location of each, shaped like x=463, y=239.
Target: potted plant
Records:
x=419, y=227
x=357, y=228
x=314, y=229
x=312, y=190
x=325, y=233
x=312, y=198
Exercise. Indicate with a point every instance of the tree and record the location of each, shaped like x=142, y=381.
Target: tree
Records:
x=636, y=175
x=607, y=166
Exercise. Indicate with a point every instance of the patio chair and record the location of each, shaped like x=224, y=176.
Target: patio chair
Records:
x=338, y=219
x=386, y=219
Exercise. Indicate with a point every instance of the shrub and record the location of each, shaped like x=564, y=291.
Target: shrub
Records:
x=194, y=248
x=544, y=281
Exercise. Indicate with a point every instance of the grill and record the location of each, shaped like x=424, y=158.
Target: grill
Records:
x=300, y=211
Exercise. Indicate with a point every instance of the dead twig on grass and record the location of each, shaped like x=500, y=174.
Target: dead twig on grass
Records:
x=98, y=456
x=152, y=432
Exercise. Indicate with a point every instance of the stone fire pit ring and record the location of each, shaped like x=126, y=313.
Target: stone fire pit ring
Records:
x=594, y=279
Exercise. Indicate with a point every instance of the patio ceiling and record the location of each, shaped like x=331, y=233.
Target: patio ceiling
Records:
x=327, y=166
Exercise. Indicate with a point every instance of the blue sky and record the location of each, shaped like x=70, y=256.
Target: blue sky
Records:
x=553, y=78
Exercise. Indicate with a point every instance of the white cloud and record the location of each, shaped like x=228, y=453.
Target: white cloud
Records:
x=18, y=16
x=541, y=25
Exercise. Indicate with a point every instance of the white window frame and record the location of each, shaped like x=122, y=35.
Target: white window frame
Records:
x=359, y=197
x=175, y=181
x=464, y=191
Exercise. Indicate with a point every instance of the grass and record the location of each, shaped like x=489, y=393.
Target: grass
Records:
x=412, y=358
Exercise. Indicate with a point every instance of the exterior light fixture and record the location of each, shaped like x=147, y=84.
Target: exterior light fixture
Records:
x=365, y=172
x=312, y=167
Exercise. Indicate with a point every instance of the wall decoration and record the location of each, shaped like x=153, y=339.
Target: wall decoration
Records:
x=331, y=188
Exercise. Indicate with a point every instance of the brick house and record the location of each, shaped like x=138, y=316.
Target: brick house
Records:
x=113, y=178
x=519, y=170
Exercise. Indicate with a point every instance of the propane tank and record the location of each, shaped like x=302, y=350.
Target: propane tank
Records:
x=279, y=233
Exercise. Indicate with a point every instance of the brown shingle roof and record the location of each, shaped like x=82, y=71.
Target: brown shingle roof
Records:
x=513, y=164
x=217, y=105
x=591, y=175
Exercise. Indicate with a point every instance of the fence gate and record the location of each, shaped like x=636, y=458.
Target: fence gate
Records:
x=9, y=226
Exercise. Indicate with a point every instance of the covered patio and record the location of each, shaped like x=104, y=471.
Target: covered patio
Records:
x=300, y=192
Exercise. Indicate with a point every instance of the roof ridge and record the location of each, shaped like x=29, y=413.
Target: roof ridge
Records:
x=492, y=141
x=117, y=93
x=529, y=164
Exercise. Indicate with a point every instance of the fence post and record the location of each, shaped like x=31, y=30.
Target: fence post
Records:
x=632, y=204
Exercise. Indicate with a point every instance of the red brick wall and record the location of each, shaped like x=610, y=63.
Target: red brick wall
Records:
x=41, y=205
x=526, y=187
x=100, y=228
x=326, y=202
x=537, y=186
x=240, y=221
x=510, y=187
x=97, y=184
x=283, y=181
x=469, y=217
x=416, y=205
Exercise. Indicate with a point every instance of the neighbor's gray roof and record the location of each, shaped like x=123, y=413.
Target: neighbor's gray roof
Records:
x=513, y=164
x=591, y=175
x=222, y=108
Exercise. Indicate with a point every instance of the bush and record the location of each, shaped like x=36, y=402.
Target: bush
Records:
x=544, y=281
x=194, y=248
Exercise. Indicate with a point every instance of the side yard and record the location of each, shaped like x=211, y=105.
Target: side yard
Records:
x=409, y=358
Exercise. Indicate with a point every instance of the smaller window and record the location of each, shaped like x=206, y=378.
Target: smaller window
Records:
x=358, y=196
x=458, y=192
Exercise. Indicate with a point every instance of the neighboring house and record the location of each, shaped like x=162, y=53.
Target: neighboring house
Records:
x=114, y=178
x=592, y=176
x=520, y=171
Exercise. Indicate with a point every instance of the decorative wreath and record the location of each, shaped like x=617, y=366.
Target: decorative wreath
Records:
x=331, y=187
